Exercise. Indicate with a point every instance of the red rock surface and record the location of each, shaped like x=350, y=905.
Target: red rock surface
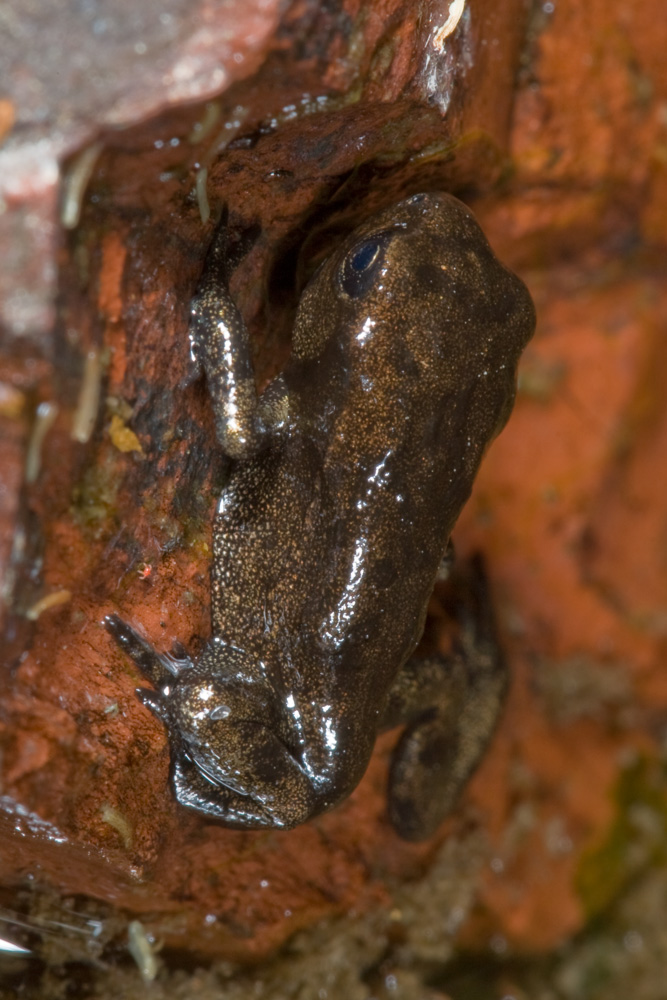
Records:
x=568, y=508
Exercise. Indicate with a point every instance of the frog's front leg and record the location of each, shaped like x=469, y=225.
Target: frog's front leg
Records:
x=219, y=343
x=451, y=706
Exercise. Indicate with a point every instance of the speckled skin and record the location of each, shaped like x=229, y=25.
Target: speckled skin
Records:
x=350, y=472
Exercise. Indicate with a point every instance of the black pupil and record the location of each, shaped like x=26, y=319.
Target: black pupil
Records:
x=365, y=256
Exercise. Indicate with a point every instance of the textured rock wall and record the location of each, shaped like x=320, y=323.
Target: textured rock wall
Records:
x=338, y=110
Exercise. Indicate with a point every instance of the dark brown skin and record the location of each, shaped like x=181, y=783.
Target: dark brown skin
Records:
x=350, y=472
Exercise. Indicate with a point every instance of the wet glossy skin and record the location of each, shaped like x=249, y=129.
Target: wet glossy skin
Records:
x=350, y=471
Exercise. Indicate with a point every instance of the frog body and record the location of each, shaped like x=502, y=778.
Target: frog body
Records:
x=348, y=474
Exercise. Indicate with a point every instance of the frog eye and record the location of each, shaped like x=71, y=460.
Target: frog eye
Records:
x=364, y=256
x=361, y=265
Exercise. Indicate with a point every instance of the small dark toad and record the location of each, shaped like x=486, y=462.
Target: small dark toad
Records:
x=349, y=473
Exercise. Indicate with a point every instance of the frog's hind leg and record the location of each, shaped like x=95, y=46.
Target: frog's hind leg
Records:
x=451, y=706
x=281, y=797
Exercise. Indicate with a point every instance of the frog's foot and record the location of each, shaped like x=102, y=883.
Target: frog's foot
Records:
x=451, y=706
x=226, y=764
x=160, y=668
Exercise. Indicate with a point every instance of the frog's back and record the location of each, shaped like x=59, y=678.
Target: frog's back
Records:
x=397, y=382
